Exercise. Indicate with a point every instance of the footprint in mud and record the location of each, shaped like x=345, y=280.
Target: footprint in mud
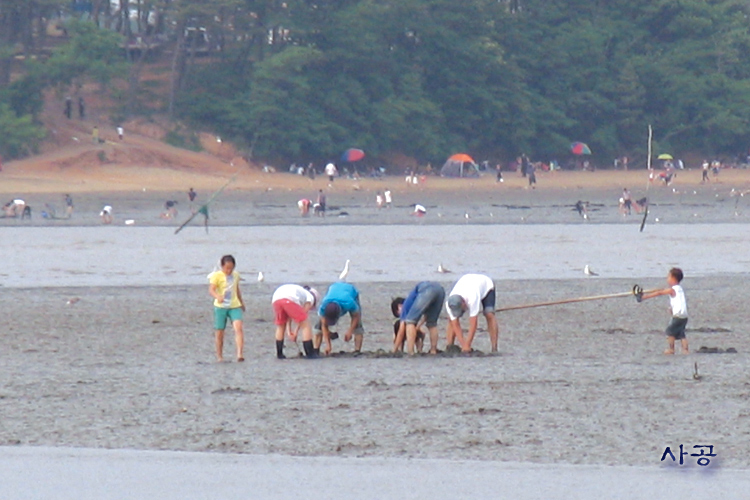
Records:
x=613, y=331
x=716, y=350
x=230, y=390
x=709, y=329
x=482, y=411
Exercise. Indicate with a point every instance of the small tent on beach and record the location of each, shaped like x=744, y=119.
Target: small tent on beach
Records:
x=460, y=165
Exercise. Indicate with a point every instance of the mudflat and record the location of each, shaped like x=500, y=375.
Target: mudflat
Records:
x=132, y=367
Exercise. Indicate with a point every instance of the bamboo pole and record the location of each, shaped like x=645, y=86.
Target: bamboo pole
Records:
x=570, y=301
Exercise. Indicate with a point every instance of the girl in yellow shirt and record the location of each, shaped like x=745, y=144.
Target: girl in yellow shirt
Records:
x=224, y=287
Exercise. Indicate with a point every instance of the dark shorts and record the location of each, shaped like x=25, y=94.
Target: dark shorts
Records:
x=488, y=302
x=429, y=302
x=676, y=328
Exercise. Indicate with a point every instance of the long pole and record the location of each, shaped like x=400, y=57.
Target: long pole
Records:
x=650, y=137
x=204, y=207
x=569, y=301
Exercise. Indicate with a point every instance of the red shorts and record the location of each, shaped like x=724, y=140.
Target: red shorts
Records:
x=285, y=309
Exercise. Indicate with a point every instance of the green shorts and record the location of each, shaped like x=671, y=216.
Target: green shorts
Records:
x=221, y=315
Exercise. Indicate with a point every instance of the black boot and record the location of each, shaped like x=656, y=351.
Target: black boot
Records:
x=310, y=353
x=280, y=349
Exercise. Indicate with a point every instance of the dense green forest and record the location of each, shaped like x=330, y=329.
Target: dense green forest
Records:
x=306, y=79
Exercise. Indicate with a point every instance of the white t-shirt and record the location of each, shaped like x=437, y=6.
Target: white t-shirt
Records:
x=387, y=196
x=295, y=293
x=473, y=288
x=330, y=169
x=106, y=210
x=678, y=302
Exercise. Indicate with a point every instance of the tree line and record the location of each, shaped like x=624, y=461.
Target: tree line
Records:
x=303, y=80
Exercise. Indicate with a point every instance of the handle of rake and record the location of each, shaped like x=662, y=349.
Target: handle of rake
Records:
x=570, y=301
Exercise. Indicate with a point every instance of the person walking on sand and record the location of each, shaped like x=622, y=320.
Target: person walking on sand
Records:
x=320, y=205
x=388, y=198
x=81, y=108
x=715, y=167
x=379, y=200
x=191, y=194
x=68, y=206
x=331, y=172
x=291, y=303
x=422, y=305
x=499, y=171
x=474, y=293
x=531, y=172
x=224, y=287
x=705, y=168
x=340, y=299
x=627, y=201
x=120, y=132
x=678, y=306
x=95, y=135
x=68, y=107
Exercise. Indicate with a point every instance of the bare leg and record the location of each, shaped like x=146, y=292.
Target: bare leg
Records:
x=358, y=339
x=684, y=343
x=411, y=338
x=450, y=336
x=317, y=340
x=433, y=339
x=239, y=339
x=492, y=328
x=219, y=345
x=670, y=344
x=306, y=331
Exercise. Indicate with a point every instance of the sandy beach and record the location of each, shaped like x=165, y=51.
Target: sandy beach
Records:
x=141, y=173
x=129, y=365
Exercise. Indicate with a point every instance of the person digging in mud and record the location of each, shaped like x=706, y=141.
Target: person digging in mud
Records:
x=474, y=293
x=341, y=298
x=291, y=303
x=421, y=306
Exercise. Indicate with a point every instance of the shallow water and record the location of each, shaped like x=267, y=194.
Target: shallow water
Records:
x=141, y=256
